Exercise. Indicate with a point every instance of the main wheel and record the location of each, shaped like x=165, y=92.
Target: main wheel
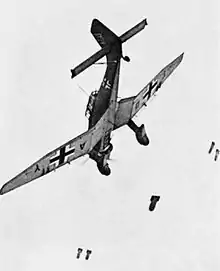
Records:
x=104, y=169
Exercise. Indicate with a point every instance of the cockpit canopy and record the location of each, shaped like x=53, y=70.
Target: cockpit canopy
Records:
x=90, y=103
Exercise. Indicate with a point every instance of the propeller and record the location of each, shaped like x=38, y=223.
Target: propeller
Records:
x=86, y=159
x=112, y=160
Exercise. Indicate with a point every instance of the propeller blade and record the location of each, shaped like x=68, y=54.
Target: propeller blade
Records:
x=84, y=161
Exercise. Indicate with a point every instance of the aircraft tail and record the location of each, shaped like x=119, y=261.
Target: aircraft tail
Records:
x=105, y=37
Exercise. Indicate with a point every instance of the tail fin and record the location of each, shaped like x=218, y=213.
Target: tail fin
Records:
x=103, y=35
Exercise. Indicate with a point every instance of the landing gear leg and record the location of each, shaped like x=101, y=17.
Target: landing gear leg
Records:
x=133, y=126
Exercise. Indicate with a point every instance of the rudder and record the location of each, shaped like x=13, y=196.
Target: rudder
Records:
x=103, y=35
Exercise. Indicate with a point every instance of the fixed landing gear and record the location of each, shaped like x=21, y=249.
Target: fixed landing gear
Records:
x=107, y=150
x=104, y=169
x=101, y=159
x=102, y=164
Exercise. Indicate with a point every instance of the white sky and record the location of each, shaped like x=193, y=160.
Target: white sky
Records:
x=43, y=223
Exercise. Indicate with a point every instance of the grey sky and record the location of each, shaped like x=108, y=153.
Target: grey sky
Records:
x=43, y=223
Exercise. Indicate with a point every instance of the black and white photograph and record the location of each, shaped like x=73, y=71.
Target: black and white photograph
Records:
x=110, y=135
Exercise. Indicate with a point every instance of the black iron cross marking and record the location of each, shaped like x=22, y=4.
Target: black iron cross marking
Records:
x=62, y=155
x=151, y=87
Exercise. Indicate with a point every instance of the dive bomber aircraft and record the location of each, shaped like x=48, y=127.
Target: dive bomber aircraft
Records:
x=105, y=113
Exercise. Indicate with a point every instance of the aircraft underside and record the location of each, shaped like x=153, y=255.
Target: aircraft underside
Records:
x=104, y=111
x=101, y=158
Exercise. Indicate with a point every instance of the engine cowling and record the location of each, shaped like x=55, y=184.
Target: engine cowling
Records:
x=141, y=135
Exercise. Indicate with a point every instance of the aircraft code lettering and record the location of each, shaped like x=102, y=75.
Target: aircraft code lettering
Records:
x=37, y=168
x=82, y=145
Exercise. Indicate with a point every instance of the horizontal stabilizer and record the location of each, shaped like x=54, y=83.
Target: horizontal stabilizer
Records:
x=133, y=31
x=96, y=25
x=89, y=61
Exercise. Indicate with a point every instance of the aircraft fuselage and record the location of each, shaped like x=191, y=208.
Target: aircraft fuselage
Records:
x=101, y=103
x=102, y=100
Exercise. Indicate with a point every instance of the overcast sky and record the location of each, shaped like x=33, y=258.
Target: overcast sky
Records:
x=43, y=223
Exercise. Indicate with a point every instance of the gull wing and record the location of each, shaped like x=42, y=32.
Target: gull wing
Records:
x=66, y=153
x=128, y=107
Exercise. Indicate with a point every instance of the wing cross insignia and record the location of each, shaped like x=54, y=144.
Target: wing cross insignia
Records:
x=66, y=153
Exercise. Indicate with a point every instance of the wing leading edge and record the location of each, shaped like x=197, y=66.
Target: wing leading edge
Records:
x=66, y=153
x=129, y=107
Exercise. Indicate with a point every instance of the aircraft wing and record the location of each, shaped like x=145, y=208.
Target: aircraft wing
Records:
x=128, y=107
x=66, y=153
